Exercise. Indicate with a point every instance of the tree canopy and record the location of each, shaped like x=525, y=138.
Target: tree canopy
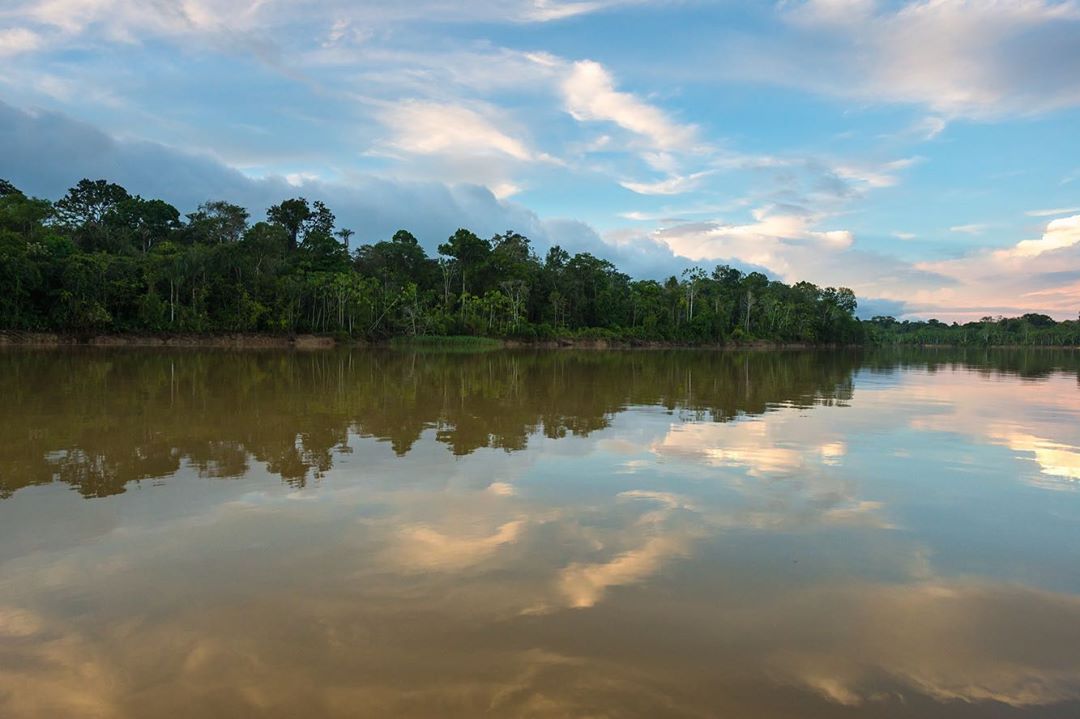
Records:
x=102, y=260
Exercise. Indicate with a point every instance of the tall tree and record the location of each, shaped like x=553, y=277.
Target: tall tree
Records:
x=148, y=221
x=87, y=202
x=218, y=223
x=753, y=287
x=344, y=234
x=291, y=215
x=468, y=251
x=320, y=221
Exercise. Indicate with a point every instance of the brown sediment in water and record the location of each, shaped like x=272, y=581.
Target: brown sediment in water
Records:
x=233, y=340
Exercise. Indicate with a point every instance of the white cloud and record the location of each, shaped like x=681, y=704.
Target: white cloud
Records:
x=875, y=177
x=590, y=95
x=673, y=185
x=131, y=20
x=18, y=40
x=774, y=240
x=1060, y=233
x=547, y=10
x=502, y=190
x=1052, y=212
x=1035, y=275
x=958, y=57
x=428, y=128
x=297, y=179
x=457, y=144
x=930, y=127
x=971, y=229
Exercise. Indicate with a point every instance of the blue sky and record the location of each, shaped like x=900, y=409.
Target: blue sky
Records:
x=926, y=154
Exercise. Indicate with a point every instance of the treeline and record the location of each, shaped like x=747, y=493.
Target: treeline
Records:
x=1029, y=330
x=102, y=260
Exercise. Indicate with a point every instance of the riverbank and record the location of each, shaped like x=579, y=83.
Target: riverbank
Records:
x=322, y=342
x=306, y=341
x=229, y=341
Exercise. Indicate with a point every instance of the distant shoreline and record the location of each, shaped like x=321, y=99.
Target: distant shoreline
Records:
x=310, y=341
x=231, y=340
x=324, y=342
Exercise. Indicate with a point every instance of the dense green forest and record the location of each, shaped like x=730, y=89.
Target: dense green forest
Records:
x=1029, y=330
x=101, y=260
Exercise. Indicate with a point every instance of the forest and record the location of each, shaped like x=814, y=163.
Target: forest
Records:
x=101, y=260
x=1029, y=330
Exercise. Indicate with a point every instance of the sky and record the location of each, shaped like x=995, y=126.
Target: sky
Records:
x=925, y=154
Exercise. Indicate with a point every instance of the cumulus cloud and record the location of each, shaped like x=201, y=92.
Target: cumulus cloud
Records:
x=1059, y=234
x=1034, y=275
x=765, y=242
x=792, y=243
x=45, y=153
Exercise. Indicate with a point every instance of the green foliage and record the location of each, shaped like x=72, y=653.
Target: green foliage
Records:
x=1028, y=330
x=103, y=260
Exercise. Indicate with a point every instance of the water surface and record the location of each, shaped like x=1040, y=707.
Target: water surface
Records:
x=539, y=534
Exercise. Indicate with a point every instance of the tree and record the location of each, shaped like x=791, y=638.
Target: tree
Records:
x=291, y=215
x=319, y=221
x=693, y=278
x=1038, y=320
x=218, y=223
x=301, y=220
x=6, y=188
x=753, y=286
x=147, y=221
x=87, y=202
x=344, y=234
x=468, y=251
x=101, y=259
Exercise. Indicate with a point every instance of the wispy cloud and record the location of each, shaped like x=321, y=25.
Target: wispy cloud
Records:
x=673, y=185
x=970, y=229
x=430, y=128
x=960, y=58
x=590, y=95
x=884, y=175
x=1053, y=212
x=18, y=40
